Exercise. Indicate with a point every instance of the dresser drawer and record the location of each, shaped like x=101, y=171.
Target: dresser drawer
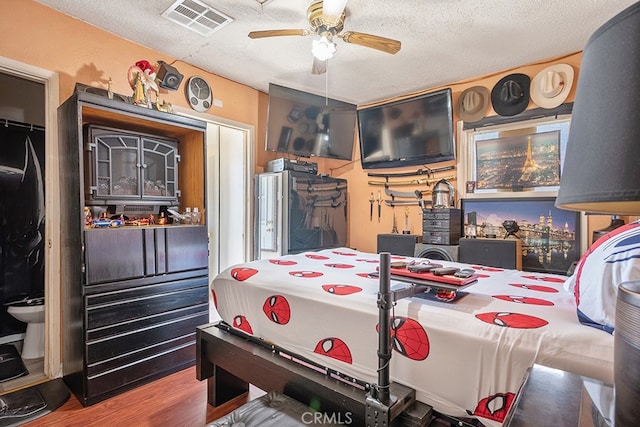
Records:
x=126, y=305
x=131, y=344
x=111, y=382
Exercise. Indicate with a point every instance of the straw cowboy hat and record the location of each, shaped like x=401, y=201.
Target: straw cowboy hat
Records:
x=510, y=96
x=473, y=103
x=551, y=86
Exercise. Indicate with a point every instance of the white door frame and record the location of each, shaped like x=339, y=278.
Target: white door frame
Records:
x=52, y=285
x=214, y=210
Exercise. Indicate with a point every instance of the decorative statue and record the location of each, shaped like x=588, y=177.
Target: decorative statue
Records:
x=142, y=79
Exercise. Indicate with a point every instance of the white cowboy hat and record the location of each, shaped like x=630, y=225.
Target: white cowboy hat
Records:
x=551, y=86
x=473, y=103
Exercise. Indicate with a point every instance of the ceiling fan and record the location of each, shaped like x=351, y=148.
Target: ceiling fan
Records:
x=326, y=20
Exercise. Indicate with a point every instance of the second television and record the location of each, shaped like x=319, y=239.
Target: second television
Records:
x=308, y=125
x=413, y=131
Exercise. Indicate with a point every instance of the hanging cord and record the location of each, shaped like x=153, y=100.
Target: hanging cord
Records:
x=326, y=84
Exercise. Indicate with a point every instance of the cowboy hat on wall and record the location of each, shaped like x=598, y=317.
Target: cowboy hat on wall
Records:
x=473, y=103
x=510, y=96
x=551, y=86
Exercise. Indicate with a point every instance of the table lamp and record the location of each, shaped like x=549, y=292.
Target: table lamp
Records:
x=601, y=172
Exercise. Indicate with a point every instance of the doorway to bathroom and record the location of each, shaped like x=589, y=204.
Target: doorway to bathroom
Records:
x=28, y=97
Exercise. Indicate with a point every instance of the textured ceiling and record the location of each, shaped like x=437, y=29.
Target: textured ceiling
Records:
x=443, y=41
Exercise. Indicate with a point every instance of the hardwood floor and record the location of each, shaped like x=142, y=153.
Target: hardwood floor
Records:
x=178, y=400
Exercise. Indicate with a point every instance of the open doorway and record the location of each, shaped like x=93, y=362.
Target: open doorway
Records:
x=28, y=255
x=229, y=170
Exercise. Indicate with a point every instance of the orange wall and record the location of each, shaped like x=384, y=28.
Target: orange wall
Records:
x=39, y=36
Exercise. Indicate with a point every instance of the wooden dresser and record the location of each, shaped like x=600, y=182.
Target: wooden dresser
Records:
x=131, y=296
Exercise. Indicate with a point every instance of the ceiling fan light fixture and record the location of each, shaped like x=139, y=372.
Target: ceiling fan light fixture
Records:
x=323, y=48
x=333, y=9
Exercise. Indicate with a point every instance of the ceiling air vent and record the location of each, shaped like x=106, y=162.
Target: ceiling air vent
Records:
x=196, y=16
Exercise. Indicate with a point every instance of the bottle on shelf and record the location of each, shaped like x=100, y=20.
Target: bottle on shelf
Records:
x=188, y=218
x=196, y=215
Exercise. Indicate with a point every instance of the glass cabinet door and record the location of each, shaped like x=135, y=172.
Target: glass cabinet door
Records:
x=159, y=174
x=116, y=165
x=126, y=166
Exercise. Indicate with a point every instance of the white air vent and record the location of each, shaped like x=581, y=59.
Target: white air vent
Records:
x=196, y=16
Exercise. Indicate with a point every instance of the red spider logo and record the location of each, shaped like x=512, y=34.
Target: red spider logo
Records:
x=539, y=288
x=523, y=300
x=341, y=289
x=282, y=262
x=408, y=338
x=545, y=279
x=495, y=407
x=344, y=253
x=367, y=275
x=277, y=309
x=446, y=295
x=512, y=320
x=241, y=322
x=316, y=256
x=334, y=348
x=306, y=274
x=338, y=265
x=242, y=273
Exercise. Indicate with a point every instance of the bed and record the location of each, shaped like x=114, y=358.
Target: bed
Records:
x=465, y=354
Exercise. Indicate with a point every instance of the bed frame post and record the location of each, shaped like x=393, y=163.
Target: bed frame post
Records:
x=384, y=346
x=384, y=405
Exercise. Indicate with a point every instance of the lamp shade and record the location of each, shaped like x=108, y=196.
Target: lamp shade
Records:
x=601, y=171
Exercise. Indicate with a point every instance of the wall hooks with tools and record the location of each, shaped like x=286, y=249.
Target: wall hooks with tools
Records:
x=428, y=172
x=419, y=181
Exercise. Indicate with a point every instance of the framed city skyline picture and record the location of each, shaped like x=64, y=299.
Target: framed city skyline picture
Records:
x=550, y=236
x=518, y=162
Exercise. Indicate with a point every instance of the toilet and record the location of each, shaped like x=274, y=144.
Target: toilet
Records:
x=30, y=311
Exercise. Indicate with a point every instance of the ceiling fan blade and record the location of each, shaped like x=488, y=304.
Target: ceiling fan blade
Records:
x=369, y=40
x=333, y=9
x=277, y=33
x=319, y=67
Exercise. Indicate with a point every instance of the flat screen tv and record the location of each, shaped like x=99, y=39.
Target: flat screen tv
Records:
x=408, y=132
x=308, y=125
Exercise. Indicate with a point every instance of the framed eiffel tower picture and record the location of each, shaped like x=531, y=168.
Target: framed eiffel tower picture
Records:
x=518, y=162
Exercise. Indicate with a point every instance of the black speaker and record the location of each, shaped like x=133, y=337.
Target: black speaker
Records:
x=501, y=253
x=437, y=252
x=398, y=244
x=168, y=77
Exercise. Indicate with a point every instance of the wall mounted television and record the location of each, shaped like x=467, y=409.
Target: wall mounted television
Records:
x=408, y=132
x=308, y=125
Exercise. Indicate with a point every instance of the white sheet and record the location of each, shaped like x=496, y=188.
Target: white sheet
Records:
x=469, y=366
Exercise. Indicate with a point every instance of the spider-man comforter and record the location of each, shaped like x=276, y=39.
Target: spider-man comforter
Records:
x=466, y=357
